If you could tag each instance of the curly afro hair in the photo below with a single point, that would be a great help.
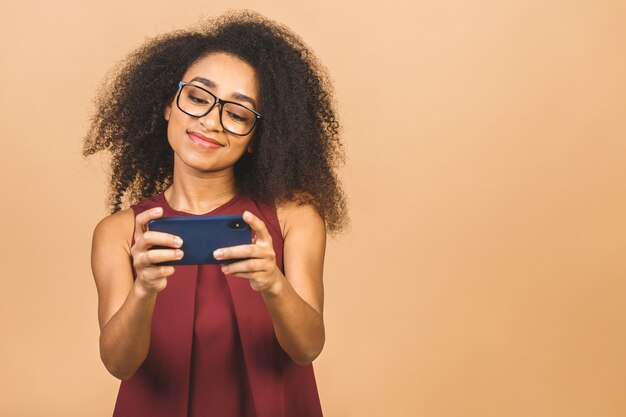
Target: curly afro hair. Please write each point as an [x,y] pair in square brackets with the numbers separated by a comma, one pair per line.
[297,149]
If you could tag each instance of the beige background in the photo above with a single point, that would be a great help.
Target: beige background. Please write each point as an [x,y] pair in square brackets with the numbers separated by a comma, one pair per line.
[485,271]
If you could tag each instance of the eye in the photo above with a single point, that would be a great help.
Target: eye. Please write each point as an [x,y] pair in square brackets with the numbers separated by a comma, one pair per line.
[237,117]
[197,100]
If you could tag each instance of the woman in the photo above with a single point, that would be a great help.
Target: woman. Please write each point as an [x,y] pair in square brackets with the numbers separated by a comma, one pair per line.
[233,117]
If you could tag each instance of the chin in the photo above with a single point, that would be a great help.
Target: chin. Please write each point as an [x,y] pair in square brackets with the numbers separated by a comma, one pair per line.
[201,163]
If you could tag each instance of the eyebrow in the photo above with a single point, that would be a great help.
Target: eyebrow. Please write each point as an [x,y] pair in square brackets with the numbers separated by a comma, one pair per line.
[235,95]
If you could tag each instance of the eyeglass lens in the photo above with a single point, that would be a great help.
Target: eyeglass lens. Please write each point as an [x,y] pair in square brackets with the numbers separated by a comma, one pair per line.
[235,118]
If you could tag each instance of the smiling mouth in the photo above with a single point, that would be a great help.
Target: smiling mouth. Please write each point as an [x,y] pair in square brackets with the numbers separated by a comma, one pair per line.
[203,141]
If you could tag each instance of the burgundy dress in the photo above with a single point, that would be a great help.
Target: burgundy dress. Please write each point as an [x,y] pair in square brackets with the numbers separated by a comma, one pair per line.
[213,351]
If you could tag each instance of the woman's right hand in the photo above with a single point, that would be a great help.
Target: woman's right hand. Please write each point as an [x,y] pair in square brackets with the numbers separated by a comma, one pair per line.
[152,278]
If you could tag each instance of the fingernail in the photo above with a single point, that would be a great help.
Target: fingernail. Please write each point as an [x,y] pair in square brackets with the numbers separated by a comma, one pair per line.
[157,210]
[178,241]
[179,253]
[218,254]
[247,215]
[225,269]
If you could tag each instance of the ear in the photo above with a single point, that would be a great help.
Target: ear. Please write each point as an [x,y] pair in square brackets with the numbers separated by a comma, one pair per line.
[251,146]
[167,112]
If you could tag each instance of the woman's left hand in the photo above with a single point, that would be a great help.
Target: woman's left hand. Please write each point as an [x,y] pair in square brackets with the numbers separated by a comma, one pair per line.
[259,260]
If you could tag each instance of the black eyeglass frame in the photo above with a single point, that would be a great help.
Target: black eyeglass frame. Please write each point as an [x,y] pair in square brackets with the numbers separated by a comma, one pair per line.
[182,84]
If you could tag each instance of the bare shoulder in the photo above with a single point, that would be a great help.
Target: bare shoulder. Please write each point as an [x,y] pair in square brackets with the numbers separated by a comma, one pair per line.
[110,262]
[115,229]
[304,234]
[296,216]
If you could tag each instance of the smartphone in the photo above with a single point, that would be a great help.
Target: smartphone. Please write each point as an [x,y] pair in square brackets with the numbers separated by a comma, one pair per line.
[202,235]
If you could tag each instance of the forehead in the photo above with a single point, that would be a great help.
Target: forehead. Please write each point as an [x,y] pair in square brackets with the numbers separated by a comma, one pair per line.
[229,73]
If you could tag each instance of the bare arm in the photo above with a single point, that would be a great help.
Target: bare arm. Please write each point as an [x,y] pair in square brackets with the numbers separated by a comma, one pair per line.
[125,306]
[295,299]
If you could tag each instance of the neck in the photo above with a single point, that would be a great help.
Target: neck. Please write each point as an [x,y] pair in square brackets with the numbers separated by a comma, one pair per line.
[197,193]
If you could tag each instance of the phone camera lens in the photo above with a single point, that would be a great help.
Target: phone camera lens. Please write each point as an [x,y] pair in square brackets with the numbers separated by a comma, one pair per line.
[236,224]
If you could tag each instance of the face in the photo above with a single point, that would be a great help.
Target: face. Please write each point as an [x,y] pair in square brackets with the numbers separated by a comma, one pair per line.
[203,144]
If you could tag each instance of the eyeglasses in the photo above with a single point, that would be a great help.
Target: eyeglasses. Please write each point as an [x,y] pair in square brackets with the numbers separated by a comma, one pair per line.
[198,102]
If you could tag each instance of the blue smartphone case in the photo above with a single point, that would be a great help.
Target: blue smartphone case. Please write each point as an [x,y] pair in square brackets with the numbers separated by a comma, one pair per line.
[202,235]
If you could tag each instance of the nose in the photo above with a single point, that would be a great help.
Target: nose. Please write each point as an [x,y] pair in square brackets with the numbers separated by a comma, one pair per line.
[211,120]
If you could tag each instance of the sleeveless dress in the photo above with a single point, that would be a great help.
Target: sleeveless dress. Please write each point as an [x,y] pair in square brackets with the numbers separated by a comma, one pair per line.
[213,351]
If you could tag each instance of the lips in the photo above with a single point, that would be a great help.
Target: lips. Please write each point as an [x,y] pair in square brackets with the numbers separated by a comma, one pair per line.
[204,141]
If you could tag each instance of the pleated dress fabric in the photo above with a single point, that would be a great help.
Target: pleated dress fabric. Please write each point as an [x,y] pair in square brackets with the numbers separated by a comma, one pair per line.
[213,351]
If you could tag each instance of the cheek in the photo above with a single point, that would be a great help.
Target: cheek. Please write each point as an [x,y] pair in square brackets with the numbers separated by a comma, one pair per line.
[175,130]
[244,145]
[170,135]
